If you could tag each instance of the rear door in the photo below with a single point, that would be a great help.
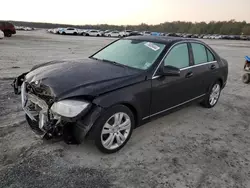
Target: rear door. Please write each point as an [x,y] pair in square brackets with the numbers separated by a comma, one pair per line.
[92,33]
[68,31]
[204,66]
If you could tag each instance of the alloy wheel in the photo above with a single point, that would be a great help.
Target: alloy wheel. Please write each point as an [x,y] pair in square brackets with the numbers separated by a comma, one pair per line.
[116,130]
[215,93]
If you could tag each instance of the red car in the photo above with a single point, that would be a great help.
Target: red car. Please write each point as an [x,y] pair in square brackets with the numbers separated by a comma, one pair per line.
[8,28]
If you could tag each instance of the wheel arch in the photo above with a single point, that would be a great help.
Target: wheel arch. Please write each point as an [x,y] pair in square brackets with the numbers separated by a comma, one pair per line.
[220,80]
[133,110]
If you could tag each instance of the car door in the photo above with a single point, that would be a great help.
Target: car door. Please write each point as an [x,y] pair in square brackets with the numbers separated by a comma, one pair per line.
[204,65]
[171,91]
[92,33]
[70,30]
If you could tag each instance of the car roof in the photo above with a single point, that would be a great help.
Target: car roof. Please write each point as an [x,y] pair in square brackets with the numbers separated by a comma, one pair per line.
[162,39]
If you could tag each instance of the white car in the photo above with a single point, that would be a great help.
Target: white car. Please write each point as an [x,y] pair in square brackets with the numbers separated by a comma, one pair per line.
[146,33]
[125,33]
[218,37]
[68,31]
[1,35]
[27,29]
[95,33]
[112,34]
[206,37]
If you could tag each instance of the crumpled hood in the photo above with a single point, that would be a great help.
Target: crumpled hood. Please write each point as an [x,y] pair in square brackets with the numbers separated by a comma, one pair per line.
[83,77]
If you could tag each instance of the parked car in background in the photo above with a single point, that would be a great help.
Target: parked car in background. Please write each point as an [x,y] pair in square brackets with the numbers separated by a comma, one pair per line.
[57,30]
[146,33]
[82,32]
[155,33]
[206,36]
[50,30]
[195,36]
[218,37]
[1,35]
[67,31]
[201,36]
[125,33]
[243,37]
[105,32]
[7,28]
[112,34]
[135,33]
[95,33]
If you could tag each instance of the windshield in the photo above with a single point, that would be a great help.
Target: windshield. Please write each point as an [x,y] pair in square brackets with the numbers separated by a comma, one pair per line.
[131,53]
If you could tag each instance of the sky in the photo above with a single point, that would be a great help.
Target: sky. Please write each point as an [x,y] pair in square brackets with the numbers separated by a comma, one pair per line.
[124,12]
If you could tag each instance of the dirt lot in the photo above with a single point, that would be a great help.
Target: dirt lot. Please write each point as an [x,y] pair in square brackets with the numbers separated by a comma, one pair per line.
[194,147]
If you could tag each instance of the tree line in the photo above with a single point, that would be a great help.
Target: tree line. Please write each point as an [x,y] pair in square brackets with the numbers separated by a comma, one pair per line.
[231,27]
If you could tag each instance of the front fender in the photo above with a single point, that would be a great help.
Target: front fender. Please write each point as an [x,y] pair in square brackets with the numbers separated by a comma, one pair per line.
[86,124]
[137,96]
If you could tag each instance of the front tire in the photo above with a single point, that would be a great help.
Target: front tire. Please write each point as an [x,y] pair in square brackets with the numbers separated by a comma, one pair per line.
[114,128]
[7,34]
[213,95]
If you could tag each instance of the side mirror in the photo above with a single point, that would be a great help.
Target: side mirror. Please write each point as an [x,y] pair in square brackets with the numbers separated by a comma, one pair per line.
[170,71]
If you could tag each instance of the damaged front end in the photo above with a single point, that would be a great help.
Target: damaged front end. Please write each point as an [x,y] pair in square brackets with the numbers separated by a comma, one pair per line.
[50,118]
[37,107]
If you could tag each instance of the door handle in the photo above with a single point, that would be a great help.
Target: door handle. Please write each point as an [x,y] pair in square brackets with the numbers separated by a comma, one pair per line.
[213,67]
[189,75]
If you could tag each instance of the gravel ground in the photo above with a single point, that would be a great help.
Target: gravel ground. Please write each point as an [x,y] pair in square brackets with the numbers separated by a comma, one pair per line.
[193,147]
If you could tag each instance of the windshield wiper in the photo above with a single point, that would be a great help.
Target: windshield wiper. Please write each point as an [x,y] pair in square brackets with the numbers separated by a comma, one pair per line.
[113,62]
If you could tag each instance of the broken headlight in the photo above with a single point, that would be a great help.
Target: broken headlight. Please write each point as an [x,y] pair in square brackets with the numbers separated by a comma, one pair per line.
[69,108]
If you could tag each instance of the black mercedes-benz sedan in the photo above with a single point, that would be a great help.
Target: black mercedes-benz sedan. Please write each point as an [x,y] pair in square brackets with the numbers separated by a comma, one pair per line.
[122,86]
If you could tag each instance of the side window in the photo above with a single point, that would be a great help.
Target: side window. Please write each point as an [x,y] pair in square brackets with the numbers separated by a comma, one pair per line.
[199,52]
[210,56]
[178,57]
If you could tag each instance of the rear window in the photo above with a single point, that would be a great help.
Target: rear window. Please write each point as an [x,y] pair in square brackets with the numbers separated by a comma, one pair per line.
[199,52]
[210,56]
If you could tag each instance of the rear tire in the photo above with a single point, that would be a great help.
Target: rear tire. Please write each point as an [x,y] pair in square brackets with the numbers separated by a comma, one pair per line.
[246,78]
[213,95]
[109,135]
